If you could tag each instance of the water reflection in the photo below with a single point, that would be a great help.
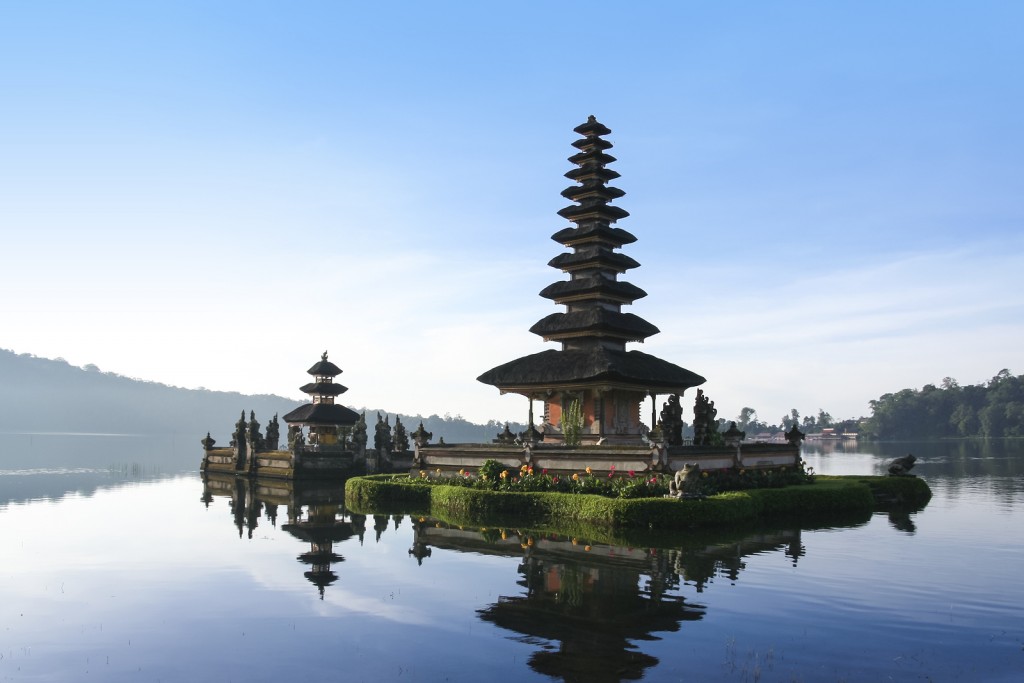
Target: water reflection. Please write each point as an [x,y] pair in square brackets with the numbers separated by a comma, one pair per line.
[959,468]
[37,467]
[584,604]
[315,515]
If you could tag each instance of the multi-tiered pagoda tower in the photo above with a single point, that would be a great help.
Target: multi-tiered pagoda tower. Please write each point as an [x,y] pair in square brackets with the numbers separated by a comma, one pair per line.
[322,416]
[592,369]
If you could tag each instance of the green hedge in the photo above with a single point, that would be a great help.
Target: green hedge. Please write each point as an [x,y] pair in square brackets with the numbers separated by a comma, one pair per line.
[386,493]
[905,492]
[827,497]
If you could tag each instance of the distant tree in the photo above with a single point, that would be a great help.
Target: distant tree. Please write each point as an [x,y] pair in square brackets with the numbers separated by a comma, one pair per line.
[745,417]
[994,409]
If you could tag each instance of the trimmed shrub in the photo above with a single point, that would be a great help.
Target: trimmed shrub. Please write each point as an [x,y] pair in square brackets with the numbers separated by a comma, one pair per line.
[386,493]
[827,498]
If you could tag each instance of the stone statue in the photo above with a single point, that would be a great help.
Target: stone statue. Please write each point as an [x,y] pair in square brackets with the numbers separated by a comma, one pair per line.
[273,437]
[733,436]
[531,435]
[672,421]
[382,435]
[686,482]
[400,439]
[238,437]
[295,437]
[255,438]
[900,467]
[359,434]
[421,437]
[794,436]
[506,436]
[705,422]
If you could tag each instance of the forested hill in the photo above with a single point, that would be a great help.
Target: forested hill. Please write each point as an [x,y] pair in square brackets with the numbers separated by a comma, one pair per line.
[44,395]
[992,409]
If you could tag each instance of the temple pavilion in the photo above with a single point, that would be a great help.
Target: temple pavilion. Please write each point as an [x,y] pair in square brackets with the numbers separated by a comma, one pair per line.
[322,417]
[592,369]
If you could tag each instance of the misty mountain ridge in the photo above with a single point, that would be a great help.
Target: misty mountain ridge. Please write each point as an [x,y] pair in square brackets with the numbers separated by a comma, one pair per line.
[51,395]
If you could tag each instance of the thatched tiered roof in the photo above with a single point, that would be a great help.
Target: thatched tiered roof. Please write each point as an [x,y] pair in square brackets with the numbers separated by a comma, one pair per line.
[323,411]
[593,330]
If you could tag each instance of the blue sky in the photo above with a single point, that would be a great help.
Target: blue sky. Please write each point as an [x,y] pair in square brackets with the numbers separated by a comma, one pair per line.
[827,196]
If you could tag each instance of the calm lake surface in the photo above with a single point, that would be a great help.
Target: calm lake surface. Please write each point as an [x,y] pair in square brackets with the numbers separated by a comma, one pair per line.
[121,564]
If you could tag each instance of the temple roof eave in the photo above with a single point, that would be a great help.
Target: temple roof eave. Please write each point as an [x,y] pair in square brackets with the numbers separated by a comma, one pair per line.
[324,368]
[595,231]
[323,388]
[599,322]
[322,414]
[601,258]
[562,370]
[592,287]
[605,212]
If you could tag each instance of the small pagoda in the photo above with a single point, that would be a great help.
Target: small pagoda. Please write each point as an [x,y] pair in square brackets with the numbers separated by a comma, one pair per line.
[323,418]
[318,446]
[592,374]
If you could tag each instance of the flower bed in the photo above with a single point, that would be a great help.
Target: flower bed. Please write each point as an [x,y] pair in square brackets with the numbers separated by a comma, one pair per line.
[494,476]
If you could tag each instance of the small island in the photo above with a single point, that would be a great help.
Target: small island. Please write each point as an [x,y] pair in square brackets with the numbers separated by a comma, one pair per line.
[591,459]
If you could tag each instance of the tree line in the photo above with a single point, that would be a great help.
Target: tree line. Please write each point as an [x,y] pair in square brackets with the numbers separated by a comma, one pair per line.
[992,409]
[749,422]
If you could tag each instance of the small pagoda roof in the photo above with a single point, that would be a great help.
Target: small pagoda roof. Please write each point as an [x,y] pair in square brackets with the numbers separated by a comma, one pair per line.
[594,232]
[593,288]
[593,257]
[584,172]
[322,414]
[592,156]
[320,532]
[323,389]
[598,210]
[605,192]
[599,365]
[592,127]
[594,322]
[591,143]
[324,368]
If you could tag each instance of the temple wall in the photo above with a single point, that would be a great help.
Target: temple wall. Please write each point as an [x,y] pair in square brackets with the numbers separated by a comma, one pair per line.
[554,409]
[558,459]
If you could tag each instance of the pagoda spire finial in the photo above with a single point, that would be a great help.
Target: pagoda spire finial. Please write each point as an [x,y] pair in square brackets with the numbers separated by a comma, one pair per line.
[323,356]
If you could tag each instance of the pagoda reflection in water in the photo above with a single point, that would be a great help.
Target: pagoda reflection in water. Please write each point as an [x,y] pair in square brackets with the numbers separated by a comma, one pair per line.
[587,605]
[315,514]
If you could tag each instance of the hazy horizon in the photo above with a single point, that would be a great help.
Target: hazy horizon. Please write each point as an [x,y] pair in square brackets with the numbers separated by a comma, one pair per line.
[826,196]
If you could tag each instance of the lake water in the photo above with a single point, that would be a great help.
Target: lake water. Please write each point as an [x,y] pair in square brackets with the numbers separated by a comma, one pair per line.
[121,564]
